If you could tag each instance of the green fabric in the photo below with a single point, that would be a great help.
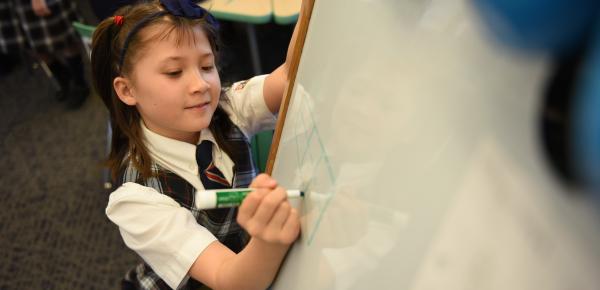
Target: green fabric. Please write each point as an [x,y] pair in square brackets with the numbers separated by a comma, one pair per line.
[261,144]
[83,29]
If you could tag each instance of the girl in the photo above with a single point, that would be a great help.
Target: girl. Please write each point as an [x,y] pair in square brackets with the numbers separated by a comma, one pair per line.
[176,133]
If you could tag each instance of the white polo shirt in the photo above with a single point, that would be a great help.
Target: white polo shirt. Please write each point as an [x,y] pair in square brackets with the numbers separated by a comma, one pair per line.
[154,225]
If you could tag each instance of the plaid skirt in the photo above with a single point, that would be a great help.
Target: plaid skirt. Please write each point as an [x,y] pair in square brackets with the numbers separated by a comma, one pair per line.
[20,28]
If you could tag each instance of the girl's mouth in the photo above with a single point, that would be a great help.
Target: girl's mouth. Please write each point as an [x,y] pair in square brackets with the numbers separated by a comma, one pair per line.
[200,106]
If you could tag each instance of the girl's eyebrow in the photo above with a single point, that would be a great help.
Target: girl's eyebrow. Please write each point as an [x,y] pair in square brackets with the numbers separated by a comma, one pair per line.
[206,54]
[177,57]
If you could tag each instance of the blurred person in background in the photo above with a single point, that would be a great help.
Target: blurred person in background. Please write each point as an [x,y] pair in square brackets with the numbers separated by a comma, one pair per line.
[44,27]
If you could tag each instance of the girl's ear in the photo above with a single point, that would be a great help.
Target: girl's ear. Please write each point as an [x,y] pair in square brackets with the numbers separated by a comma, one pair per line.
[124,91]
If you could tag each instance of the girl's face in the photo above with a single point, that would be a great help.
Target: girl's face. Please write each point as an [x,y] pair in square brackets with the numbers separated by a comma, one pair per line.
[176,87]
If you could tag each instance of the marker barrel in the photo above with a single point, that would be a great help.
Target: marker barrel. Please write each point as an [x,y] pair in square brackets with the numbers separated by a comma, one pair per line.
[221,198]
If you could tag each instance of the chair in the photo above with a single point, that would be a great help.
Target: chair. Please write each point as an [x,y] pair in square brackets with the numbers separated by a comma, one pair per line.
[85,33]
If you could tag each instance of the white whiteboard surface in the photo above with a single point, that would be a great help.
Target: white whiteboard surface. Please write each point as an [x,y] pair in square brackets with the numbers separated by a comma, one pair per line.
[416,138]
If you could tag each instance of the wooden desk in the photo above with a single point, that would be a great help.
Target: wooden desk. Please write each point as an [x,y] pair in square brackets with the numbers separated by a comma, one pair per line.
[253,12]
[250,11]
[286,11]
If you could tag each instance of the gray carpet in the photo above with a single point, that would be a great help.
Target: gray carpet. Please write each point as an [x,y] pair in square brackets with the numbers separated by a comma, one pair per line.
[53,230]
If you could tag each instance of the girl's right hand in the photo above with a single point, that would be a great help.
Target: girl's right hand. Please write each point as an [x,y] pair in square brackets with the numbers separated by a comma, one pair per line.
[40,8]
[266,213]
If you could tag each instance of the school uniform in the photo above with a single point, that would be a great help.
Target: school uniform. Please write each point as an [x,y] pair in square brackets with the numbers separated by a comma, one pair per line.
[158,218]
[21,28]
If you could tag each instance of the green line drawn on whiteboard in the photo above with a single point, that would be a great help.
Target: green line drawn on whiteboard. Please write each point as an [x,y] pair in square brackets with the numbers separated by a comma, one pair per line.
[313,156]
[297,145]
[323,160]
[307,146]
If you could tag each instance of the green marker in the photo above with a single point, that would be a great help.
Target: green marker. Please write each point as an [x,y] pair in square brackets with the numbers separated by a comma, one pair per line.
[220,198]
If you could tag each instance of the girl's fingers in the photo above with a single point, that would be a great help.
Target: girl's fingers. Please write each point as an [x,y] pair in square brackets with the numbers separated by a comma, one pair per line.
[268,205]
[250,204]
[291,228]
[262,185]
[266,214]
[263,181]
[280,216]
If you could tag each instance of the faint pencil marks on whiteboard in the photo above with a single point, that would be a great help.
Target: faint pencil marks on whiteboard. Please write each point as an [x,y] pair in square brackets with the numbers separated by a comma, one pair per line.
[314,172]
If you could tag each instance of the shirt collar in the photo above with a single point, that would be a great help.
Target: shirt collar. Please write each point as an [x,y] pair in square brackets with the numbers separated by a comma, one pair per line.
[174,154]
[206,134]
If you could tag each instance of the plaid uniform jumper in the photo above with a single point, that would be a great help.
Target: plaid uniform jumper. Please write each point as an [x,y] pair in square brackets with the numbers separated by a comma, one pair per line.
[21,28]
[220,222]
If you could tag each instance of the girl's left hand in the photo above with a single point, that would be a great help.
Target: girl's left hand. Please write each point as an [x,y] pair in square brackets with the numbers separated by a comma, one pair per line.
[266,214]
[40,8]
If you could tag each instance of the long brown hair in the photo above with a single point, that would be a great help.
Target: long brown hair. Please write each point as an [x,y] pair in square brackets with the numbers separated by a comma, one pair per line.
[127,144]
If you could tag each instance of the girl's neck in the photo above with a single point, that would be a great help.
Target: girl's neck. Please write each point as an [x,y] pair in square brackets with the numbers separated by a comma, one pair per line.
[191,138]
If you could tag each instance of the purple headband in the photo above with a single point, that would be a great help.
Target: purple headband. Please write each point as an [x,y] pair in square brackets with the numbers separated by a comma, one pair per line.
[180,8]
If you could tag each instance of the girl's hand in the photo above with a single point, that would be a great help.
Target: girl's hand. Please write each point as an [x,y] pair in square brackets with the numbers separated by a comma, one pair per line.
[266,213]
[40,8]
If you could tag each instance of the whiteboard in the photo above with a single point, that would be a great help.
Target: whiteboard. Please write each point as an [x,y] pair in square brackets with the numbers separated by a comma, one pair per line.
[416,138]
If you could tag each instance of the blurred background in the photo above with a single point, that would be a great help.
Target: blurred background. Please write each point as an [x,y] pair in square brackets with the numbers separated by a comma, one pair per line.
[53,230]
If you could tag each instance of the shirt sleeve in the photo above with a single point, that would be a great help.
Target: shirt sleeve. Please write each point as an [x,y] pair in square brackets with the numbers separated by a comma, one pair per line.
[247,108]
[162,232]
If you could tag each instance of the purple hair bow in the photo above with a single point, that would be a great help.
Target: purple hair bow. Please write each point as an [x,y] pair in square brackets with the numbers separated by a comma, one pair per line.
[188,9]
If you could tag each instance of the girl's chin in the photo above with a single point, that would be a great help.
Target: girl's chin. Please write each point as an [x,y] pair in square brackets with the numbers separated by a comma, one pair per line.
[203,120]
[201,125]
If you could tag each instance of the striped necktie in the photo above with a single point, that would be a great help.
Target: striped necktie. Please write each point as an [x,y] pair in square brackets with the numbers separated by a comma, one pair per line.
[210,175]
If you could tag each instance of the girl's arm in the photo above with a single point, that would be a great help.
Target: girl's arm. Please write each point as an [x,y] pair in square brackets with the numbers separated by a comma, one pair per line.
[273,225]
[277,81]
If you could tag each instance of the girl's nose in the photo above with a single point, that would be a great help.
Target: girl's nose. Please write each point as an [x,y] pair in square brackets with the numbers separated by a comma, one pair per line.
[199,84]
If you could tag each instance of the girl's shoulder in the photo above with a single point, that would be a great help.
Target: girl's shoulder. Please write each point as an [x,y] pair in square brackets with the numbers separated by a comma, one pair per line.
[241,94]
[245,105]
[247,85]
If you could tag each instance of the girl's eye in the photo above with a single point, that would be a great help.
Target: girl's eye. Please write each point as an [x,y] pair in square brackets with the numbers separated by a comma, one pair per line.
[173,73]
[208,68]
